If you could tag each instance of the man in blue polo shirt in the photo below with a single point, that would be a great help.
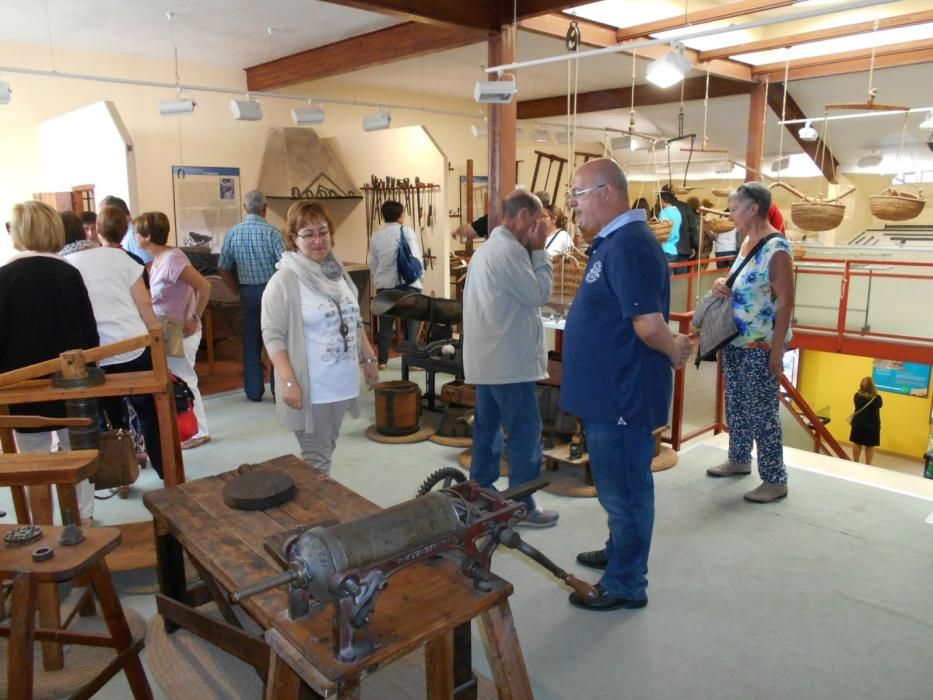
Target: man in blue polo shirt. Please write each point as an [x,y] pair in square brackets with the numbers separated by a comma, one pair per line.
[617,357]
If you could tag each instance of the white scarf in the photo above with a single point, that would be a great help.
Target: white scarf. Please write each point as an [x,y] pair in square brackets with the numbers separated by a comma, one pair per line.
[323,277]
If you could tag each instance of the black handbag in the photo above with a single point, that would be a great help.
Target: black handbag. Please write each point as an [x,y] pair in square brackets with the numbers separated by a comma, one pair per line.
[714,317]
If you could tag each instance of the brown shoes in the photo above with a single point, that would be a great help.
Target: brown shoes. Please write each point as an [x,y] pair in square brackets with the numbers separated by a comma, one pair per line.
[766,493]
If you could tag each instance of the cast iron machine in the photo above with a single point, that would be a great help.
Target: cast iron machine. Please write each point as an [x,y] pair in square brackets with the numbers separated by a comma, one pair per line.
[349,564]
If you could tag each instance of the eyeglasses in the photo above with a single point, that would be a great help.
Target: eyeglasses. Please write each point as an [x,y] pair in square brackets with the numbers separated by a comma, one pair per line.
[305,234]
[343,328]
[577,194]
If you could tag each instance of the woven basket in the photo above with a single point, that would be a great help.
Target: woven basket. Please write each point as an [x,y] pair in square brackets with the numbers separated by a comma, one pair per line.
[718,225]
[817,216]
[568,274]
[661,228]
[799,251]
[720,192]
[892,205]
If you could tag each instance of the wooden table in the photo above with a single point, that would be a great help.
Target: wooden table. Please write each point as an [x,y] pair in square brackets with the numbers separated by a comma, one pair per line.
[429,603]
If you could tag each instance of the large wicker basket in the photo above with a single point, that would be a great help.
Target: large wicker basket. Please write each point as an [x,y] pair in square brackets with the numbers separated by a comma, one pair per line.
[568,274]
[799,251]
[718,224]
[721,192]
[892,205]
[817,216]
[661,228]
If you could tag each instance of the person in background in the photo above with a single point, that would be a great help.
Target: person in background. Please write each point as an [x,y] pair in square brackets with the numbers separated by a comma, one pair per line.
[123,310]
[508,280]
[617,358]
[89,223]
[179,293]
[75,239]
[478,228]
[44,311]
[762,303]
[725,245]
[670,212]
[383,256]
[112,234]
[866,420]
[688,244]
[248,257]
[313,333]
[130,242]
[776,219]
[557,240]
[642,203]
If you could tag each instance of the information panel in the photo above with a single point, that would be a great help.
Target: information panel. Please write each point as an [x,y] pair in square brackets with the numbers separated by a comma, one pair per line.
[207,204]
[910,378]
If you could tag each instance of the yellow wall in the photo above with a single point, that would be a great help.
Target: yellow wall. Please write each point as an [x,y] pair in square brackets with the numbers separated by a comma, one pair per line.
[829,379]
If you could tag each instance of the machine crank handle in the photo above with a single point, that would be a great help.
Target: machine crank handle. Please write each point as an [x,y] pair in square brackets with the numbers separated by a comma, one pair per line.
[512,539]
[293,574]
[525,489]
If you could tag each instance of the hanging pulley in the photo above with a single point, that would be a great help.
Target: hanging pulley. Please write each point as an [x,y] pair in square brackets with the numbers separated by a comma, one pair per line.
[572,38]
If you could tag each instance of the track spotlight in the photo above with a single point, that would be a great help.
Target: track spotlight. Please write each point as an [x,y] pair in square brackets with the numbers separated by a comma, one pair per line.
[926,124]
[173,107]
[669,69]
[494,91]
[377,121]
[5,90]
[246,110]
[479,130]
[540,135]
[807,132]
[308,115]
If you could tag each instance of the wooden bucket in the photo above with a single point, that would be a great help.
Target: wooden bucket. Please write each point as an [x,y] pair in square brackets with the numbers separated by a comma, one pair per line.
[398,408]
[817,216]
[661,228]
[892,205]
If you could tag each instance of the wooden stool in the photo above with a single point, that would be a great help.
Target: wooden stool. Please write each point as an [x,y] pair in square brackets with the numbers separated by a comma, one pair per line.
[87,557]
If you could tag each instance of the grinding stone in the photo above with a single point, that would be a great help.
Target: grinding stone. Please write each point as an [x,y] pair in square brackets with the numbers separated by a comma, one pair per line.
[258,489]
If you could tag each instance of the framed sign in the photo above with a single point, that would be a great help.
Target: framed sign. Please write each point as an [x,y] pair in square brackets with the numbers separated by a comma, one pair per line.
[909,378]
[207,205]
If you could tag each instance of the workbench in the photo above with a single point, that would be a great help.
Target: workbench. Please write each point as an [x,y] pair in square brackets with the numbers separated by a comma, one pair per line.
[427,604]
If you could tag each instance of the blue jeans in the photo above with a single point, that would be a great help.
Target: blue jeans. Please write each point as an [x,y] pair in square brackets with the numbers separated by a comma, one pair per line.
[512,408]
[620,460]
[251,309]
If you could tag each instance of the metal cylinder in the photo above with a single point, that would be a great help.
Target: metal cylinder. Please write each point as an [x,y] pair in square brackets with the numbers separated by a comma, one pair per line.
[85,437]
[365,541]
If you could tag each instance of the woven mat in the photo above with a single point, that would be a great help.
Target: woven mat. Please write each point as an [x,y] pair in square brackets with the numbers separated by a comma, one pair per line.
[465,460]
[447,441]
[420,435]
[568,479]
[186,667]
[82,663]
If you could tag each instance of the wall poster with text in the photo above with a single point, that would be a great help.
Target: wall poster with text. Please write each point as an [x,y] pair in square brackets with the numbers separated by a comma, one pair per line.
[207,205]
[909,378]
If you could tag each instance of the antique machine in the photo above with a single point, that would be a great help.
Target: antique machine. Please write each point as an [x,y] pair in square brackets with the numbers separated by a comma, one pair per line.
[349,564]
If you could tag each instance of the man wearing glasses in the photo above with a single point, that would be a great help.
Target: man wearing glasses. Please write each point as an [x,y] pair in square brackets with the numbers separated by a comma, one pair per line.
[509,279]
[617,357]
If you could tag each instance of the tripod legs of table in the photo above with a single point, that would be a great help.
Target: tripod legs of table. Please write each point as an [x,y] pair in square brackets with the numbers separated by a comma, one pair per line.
[504,653]
[19,656]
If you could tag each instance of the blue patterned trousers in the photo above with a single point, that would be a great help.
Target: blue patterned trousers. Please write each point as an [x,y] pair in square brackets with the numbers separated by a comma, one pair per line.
[752,411]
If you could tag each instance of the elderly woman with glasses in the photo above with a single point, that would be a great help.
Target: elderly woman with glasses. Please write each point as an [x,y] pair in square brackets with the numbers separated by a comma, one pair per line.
[312,331]
[762,302]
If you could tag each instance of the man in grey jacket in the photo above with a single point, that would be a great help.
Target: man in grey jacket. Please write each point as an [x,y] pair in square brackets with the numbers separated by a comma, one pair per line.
[508,280]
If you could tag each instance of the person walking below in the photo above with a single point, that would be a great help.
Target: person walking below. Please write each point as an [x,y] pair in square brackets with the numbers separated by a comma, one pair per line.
[248,257]
[617,358]
[383,265]
[866,420]
[508,280]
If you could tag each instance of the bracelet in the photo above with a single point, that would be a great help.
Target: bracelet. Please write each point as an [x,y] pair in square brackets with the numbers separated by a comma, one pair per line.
[367,360]
[289,385]
[195,317]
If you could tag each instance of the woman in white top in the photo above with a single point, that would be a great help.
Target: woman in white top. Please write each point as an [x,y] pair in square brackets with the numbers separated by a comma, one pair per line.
[312,331]
[557,241]
[123,310]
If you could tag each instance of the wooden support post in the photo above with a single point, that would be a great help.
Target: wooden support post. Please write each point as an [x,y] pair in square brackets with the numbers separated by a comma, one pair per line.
[170,568]
[505,654]
[466,686]
[502,126]
[470,214]
[19,668]
[756,129]
[439,666]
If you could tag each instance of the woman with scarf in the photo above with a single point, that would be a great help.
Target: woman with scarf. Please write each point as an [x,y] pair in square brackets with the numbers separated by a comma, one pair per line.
[312,331]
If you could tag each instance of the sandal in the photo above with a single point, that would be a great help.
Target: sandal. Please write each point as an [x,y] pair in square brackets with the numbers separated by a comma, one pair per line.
[191,443]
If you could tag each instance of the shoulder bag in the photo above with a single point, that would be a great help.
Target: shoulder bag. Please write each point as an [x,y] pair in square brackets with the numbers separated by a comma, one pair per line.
[851,416]
[408,266]
[714,317]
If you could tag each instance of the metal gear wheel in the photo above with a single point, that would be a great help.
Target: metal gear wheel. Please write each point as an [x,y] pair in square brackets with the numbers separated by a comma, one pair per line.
[445,476]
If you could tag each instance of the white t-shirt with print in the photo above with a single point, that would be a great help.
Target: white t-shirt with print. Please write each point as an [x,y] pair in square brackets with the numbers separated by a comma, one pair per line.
[557,243]
[333,358]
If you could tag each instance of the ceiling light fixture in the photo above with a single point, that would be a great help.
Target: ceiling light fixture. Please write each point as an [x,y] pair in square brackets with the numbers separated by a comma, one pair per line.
[308,115]
[807,132]
[179,106]
[375,122]
[5,90]
[540,135]
[669,69]
[870,161]
[926,125]
[494,91]
[479,130]
[247,110]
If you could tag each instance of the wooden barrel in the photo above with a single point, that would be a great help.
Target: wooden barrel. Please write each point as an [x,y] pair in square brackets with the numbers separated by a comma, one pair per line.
[398,408]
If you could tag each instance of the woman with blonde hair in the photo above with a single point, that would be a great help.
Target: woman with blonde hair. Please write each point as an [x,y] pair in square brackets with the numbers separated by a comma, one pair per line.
[865,420]
[44,311]
[312,331]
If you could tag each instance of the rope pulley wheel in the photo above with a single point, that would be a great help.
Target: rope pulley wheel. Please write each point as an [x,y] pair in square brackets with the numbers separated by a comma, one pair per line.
[572,38]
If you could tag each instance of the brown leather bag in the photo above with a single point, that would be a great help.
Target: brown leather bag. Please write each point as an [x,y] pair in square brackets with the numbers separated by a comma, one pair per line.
[118,465]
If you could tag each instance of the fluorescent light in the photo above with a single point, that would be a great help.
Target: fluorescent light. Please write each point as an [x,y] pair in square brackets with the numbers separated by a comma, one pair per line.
[308,115]
[926,125]
[540,135]
[869,161]
[170,107]
[620,142]
[494,91]
[377,121]
[479,130]
[246,110]
[807,132]
[669,69]
[5,91]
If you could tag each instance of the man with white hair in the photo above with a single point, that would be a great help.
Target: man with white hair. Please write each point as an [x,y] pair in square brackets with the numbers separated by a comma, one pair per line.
[250,252]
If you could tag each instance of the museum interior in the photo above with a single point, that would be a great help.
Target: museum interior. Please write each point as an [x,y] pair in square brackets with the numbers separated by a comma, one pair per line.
[230,564]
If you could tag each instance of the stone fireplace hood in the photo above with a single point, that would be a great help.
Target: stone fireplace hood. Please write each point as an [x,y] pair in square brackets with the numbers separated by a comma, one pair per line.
[297,164]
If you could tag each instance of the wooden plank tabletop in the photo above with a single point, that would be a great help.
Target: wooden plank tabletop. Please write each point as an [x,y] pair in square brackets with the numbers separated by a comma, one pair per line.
[66,563]
[420,601]
[41,468]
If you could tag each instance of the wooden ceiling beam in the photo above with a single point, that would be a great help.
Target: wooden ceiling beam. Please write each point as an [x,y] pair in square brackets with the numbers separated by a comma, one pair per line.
[475,15]
[406,40]
[891,56]
[621,98]
[712,14]
[602,35]
[817,150]
[780,42]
